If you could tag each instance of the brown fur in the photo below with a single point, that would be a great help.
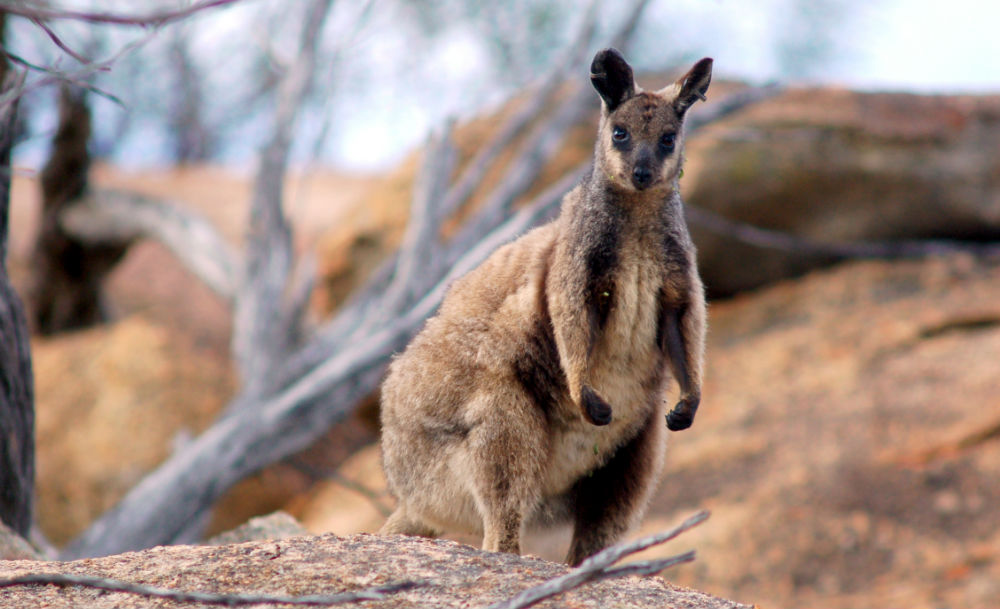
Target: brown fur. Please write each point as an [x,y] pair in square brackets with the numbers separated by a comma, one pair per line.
[535,395]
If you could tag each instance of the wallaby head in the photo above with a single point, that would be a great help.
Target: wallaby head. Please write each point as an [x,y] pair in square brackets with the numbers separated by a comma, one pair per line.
[640,135]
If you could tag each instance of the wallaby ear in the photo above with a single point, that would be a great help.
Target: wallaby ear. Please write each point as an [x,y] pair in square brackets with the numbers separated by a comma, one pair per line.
[612,77]
[693,85]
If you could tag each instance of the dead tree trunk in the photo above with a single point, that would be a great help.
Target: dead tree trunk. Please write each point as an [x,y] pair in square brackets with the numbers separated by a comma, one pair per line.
[17,410]
[67,274]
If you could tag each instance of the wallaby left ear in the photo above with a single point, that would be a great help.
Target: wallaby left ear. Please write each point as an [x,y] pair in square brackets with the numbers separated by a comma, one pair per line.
[612,77]
[693,85]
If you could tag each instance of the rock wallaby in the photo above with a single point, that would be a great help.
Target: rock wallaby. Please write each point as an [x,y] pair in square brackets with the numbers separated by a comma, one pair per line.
[535,396]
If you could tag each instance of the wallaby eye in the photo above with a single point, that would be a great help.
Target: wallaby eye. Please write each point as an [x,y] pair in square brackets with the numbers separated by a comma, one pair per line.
[667,142]
[619,134]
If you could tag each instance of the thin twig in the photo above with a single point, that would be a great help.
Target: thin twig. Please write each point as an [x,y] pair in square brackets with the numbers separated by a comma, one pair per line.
[35,11]
[597,567]
[57,76]
[78,76]
[58,41]
[207,598]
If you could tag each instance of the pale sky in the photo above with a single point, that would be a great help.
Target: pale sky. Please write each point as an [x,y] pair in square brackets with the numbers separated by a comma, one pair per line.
[929,46]
[881,45]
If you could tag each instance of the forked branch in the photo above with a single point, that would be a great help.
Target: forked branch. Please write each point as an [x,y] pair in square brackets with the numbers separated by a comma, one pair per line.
[599,566]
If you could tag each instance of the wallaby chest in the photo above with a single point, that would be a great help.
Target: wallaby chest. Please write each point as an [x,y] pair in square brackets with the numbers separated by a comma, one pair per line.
[633,262]
[627,271]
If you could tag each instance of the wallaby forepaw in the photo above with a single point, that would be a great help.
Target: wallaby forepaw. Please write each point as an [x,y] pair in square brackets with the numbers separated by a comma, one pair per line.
[595,409]
[682,416]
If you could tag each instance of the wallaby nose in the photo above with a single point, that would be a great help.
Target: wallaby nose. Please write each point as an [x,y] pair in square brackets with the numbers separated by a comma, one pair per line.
[641,177]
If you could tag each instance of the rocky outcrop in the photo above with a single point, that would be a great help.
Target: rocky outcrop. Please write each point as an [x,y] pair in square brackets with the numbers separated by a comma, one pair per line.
[278,525]
[835,166]
[15,547]
[449,574]
[112,402]
[848,441]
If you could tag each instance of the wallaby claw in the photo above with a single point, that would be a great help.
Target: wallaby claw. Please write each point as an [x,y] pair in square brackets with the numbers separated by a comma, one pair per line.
[682,416]
[596,410]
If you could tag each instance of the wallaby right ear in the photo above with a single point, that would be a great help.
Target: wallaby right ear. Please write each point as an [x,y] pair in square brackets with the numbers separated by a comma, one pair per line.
[612,77]
[693,85]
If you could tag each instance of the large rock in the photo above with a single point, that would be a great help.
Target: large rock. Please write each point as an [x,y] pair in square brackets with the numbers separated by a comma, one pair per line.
[453,576]
[846,444]
[112,402]
[840,166]
[15,547]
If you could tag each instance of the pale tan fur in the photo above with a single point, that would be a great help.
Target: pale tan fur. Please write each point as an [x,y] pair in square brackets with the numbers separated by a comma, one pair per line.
[536,395]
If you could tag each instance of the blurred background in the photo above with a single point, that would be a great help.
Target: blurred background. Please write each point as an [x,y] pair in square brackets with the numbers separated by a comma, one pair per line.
[391,70]
[843,187]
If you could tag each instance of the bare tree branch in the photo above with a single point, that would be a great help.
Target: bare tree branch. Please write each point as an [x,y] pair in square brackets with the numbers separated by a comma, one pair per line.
[207,598]
[58,41]
[424,225]
[541,145]
[189,482]
[598,566]
[102,216]
[362,313]
[36,11]
[538,96]
[55,76]
[39,14]
[262,324]
[77,77]
[774,239]
[348,324]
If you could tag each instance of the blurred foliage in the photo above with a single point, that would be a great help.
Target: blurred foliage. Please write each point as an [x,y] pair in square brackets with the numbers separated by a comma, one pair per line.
[519,33]
[202,89]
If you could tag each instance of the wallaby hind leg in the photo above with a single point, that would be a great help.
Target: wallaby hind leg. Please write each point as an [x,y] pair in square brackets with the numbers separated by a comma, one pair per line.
[401,523]
[612,499]
[506,454]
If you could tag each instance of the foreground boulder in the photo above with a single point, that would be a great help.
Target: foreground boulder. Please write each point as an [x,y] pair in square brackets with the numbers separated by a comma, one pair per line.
[15,547]
[450,574]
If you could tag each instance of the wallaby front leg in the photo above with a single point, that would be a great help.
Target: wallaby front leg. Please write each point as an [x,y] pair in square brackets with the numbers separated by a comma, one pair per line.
[683,337]
[580,306]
